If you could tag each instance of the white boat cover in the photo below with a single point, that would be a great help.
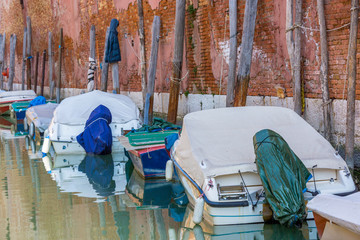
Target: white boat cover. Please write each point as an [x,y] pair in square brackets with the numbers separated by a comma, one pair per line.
[41,115]
[220,141]
[76,110]
[24,93]
[343,211]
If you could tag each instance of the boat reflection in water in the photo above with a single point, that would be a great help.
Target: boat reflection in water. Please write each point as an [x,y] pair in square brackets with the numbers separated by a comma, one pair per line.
[91,176]
[101,177]
[157,196]
[257,231]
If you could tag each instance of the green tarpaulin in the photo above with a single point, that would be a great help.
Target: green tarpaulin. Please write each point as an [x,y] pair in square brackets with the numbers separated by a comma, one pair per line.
[283,175]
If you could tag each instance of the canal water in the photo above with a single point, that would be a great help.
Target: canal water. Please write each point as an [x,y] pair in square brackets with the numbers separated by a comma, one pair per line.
[85,197]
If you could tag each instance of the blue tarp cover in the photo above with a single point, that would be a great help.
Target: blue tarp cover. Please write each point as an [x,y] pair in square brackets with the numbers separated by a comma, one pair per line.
[39,100]
[97,136]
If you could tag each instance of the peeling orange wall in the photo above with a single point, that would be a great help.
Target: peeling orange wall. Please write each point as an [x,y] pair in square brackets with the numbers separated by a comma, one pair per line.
[206,42]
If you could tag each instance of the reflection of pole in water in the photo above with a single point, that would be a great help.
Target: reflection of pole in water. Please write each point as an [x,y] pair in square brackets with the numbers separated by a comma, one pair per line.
[113,203]
[151,224]
[19,161]
[7,152]
[121,218]
[160,224]
[35,178]
[101,207]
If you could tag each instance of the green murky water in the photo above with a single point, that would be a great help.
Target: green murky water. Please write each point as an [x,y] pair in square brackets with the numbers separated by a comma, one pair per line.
[76,197]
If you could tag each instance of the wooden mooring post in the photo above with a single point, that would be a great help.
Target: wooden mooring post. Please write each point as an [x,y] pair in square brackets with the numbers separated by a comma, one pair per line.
[243,75]
[142,50]
[58,77]
[36,71]
[92,59]
[51,66]
[297,59]
[177,61]
[23,70]
[12,62]
[28,53]
[43,74]
[2,59]
[105,65]
[149,103]
[324,66]
[233,53]
[115,76]
[351,94]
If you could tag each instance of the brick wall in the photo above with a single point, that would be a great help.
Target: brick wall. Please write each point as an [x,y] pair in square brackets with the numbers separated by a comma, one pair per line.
[206,42]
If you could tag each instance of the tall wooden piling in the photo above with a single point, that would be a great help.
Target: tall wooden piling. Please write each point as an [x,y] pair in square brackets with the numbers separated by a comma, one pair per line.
[324,66]
[177,61]
[36,71]
[2,59]
[115,76]
[91,84]
[28,52]
[233,53]
[149,103]
[23,61]
[43,74]
[351,72]
[105,65]
[297,59]
[58,77]
[12,62]
[243,75]
[142,50]
[51,66]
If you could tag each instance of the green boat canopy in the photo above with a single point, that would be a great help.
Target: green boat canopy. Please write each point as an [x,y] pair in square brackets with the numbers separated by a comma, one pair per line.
[283,175]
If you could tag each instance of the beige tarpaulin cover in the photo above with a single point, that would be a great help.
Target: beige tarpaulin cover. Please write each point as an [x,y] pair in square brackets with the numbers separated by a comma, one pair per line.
[344,211]
[220,141]
[77,109]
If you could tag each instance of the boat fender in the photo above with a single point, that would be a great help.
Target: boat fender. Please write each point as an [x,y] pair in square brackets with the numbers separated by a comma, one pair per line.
[198,232]
[32,130]
[27,142]
[47,163]
[26,126]
[33,145]
[198,210]
[172,234]
[46,145]
[169,170]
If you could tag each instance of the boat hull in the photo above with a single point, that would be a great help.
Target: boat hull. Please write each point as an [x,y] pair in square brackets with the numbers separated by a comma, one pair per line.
[224,214]
[150,162]
[62,147]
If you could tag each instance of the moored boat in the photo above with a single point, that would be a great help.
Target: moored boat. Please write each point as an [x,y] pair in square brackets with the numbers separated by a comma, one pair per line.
[215,160]
[73,112]
[337,217]
[18,109]
[7,98]
[38,119]
[146,148]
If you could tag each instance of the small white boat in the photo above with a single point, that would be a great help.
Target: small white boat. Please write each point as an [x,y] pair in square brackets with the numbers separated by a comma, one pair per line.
[73,112]
[337,217]
[216,145]
[90,176]
[38,118]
